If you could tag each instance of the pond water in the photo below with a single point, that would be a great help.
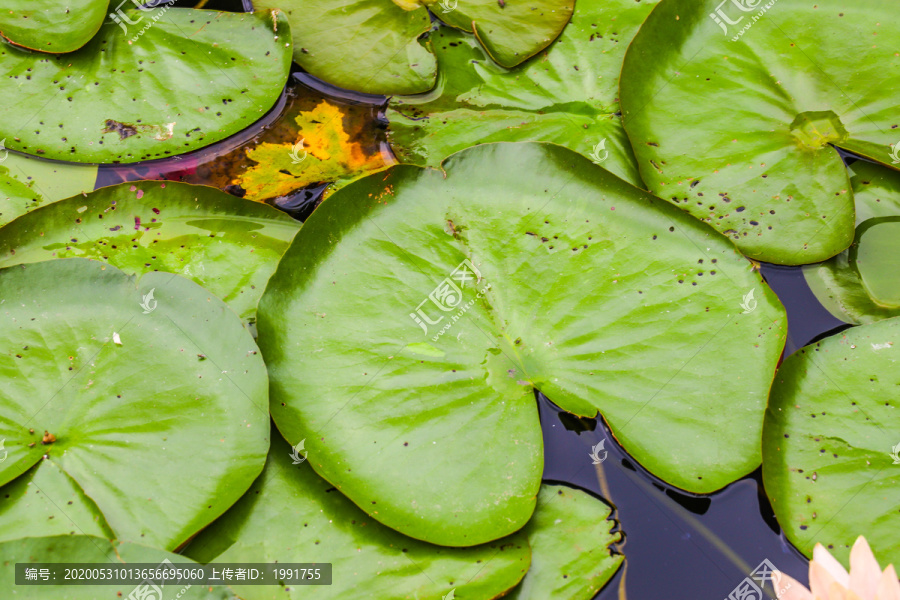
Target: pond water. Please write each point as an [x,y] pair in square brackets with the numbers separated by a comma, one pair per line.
[678,545]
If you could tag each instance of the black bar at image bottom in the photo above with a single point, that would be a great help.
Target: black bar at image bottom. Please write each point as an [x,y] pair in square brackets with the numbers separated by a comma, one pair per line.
[167,573]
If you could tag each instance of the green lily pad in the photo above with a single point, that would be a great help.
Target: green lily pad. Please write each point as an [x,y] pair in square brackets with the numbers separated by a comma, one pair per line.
[141,403]
[600,296]
[27,183]
[229,246]
[511,32]
[568,95]
[830,442]
[860,285]
[569,535]
[89,549]
[739,124]
[383,37]
[52,25]
[290,514]
[193,78]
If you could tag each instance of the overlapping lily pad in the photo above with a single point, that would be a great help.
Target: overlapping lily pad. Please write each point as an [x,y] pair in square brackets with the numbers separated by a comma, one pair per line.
[569,536]
[27,183]
[227,245]
[136,408]
[292,515]
[52,25]
[568,95]
[379,321]
[860,285]
[94,550]
[381,36]
[192,78]
[739,124]
[831,444]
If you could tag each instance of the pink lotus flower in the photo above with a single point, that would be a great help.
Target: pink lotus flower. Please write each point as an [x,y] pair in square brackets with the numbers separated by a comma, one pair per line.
[830,581]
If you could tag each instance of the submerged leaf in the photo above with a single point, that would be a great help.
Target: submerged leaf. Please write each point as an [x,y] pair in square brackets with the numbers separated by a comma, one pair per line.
[325,152]
[860,285]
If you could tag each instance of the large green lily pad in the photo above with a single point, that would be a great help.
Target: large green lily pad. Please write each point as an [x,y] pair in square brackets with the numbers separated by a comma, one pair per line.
[381,36]
[292,515]
[569,534]
[193,78]
[600,296]
[831,429]
[27,182]
[739,124]
[227,245]
[52,25]
[88,549]
[568,95]
[860,285]
[136,408]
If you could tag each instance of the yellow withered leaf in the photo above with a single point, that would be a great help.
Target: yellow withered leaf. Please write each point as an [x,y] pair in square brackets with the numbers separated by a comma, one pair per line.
[323,152]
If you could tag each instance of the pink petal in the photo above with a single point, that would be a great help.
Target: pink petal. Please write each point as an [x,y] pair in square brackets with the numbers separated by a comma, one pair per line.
[831,565]
[864,570]
[889,586]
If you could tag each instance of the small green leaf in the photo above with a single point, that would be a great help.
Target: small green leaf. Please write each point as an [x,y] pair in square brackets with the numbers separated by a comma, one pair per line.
[569,534]
[380,36]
